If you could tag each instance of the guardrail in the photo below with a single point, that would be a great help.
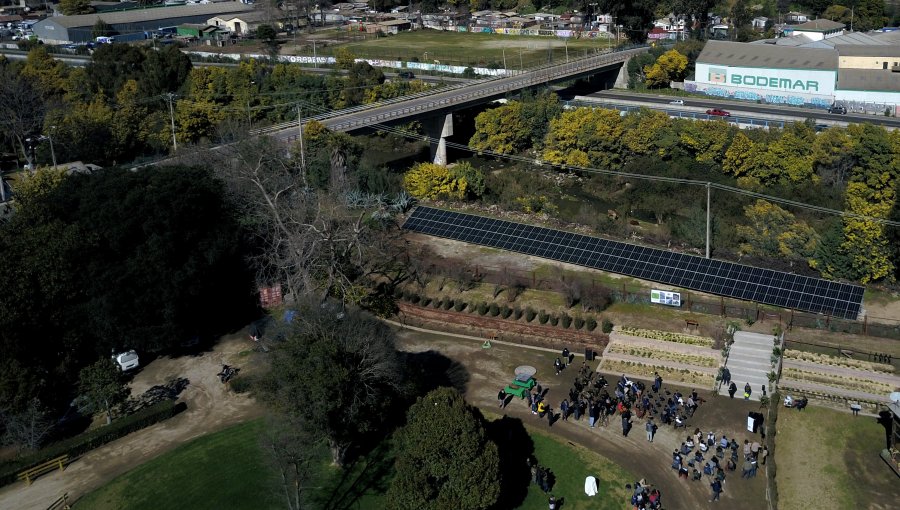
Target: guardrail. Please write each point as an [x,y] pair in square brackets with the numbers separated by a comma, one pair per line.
[474,91]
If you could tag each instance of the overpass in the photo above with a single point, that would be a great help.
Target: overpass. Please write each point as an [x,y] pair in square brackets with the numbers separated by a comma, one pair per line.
[435,107]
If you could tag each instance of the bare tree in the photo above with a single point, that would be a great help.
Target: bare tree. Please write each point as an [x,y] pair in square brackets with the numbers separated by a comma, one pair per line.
[28,428]
[309,240]
[22,110]
[289,448]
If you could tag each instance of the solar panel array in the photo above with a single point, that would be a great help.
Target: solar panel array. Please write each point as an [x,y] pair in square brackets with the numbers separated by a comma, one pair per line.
[727,279]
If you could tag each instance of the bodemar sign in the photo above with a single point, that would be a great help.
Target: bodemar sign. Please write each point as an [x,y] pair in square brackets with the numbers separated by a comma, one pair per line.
[774,82]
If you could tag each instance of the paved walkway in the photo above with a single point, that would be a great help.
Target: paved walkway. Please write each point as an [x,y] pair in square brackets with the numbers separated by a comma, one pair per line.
[749,361]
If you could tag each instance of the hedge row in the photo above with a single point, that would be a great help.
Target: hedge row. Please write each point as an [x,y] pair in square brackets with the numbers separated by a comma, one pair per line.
[505,312]
[83,443]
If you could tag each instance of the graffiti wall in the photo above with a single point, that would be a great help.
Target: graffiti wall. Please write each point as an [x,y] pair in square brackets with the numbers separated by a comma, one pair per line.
[762,96]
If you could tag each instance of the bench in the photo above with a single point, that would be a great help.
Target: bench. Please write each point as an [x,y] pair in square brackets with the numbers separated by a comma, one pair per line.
[691,323]
[29,475]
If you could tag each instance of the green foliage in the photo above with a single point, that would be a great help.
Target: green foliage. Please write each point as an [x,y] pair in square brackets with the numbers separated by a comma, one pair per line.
[566,320]
[266,33]
[482,308]
[591,324]
[774,232]
[100,387]
[102,29]
[530,314]
[444,457]
[494,310]
[543,317]
[431,181]
[586,137]
[459,306]
[607,326]
[670,66]
[74,7]
[95,438]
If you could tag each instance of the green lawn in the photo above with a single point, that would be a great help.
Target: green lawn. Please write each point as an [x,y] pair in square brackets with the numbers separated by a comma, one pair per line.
[831,457]
[228,469]
[571,465]
[454,48]
[222,470]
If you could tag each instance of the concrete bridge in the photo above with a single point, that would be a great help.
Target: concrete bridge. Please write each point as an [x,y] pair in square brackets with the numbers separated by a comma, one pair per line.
[435,107]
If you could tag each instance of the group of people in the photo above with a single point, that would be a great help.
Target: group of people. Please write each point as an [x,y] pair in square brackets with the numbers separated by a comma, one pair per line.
[645,497]
[732,387]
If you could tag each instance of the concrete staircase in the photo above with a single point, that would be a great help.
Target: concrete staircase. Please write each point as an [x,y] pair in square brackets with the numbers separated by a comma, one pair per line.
[749,361]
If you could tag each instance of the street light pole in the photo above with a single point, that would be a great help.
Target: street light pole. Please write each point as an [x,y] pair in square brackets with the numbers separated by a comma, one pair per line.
[52,152]
[171,97]
[707,220]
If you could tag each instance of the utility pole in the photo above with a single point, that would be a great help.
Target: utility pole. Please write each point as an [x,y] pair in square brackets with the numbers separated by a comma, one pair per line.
[707,220]
[171,97]
[52,152]
[504,60]
[302,151]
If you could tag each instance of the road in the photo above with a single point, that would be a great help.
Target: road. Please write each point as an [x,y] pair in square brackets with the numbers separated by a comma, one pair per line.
[747,108]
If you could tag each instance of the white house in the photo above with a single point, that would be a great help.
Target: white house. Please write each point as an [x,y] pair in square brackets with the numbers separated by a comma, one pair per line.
[816,30]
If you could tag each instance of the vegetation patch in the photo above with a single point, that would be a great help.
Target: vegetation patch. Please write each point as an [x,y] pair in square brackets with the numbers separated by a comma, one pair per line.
[839,381]
[667,336]
[836,361]
[646,370]
[661,355]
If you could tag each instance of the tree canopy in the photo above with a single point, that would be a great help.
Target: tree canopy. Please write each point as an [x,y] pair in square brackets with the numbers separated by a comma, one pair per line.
[444,457]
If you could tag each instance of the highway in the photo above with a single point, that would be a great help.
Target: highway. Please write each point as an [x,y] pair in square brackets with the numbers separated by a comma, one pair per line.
[745,108]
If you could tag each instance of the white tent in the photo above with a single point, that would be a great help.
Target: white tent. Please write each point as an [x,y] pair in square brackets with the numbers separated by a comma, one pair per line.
[590,486]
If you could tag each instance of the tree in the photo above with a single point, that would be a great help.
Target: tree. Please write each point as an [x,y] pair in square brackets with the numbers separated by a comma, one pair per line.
[29,428]
[865,245]
[100,388]
[832,156]
[647,133]
[501,130]
[586,137]
[706,140]
[740,155]
[289,448]
[334,376]
[73,7]
[635,15]
[431,181]
[670,66]
[101,29]
[22,109]
[266,33]
[773,232]
[48,73]
[444,457]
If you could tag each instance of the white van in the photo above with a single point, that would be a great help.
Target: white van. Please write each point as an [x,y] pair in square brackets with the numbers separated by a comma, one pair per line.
[127,360]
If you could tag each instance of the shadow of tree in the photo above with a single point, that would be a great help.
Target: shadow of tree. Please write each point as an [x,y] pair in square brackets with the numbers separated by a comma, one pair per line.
[515,448]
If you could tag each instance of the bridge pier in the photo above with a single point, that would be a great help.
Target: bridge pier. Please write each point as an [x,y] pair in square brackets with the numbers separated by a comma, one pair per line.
[438,129]
[622,77]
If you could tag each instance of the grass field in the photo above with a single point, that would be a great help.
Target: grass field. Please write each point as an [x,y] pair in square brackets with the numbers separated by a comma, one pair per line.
[829,460]
[222,470]
[571,465]
[469,49]
[228,469]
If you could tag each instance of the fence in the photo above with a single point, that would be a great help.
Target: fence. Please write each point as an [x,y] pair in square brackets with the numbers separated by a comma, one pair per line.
[694,302]
[847,350]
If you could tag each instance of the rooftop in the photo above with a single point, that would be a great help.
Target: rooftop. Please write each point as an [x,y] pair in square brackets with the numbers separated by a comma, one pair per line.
[767,56]
[868,79]
[142,15]
[819,25]
[855,50]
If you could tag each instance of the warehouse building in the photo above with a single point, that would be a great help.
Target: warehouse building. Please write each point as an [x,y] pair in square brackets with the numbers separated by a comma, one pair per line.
[864,78]
[133,24]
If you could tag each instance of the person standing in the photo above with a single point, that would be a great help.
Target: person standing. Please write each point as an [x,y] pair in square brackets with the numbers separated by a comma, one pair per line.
[651,430]
[565,356]
[657,382]
[747,391]
[501,398]
[564,409]
[716,490]
[558,365]
[732,389]
[592,414]
[726,376]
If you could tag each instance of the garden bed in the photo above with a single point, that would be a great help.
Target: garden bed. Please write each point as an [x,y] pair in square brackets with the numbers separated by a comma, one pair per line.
[647,370]
[824,359]
[667,336]
[661,355]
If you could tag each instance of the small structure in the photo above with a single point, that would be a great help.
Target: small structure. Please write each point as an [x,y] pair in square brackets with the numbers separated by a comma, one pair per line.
[816,30]
[394,26]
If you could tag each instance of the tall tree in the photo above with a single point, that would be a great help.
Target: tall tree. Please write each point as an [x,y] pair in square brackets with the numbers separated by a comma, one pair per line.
[22,109]
[73,7]
[444,457]
[100,388]
[334,376]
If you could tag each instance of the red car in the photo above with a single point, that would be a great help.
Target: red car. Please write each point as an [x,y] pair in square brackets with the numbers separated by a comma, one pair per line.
[717,112]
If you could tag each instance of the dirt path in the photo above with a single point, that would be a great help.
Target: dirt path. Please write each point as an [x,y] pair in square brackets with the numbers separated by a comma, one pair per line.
[210,407]
[489,369]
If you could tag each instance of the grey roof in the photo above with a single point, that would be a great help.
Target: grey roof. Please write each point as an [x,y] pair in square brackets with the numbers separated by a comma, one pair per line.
[143,15]
[819,25]
[868,79]
[854,38]
[882,50]
[249,17]
[767,56]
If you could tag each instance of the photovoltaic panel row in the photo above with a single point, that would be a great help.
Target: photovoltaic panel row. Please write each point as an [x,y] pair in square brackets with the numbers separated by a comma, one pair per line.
[677,269]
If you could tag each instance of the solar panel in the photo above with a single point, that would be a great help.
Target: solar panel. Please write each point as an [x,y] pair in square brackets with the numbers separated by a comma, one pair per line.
[685,271]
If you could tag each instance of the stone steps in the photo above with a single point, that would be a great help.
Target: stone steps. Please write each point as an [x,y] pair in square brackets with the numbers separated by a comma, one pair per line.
[749,361]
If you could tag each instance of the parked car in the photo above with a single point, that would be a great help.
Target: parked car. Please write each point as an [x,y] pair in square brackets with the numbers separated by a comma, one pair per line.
[126,360]
[679,102]
[836,108]
[717,112]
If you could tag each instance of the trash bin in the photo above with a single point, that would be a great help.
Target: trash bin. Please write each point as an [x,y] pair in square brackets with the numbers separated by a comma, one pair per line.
[589,354]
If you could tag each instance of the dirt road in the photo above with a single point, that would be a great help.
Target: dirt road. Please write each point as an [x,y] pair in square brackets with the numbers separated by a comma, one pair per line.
[211,406]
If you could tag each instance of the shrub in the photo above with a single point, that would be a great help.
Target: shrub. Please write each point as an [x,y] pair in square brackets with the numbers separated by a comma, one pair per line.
[448,303]
[494,309]
[92,439]
[241,384]
[426,301]
[579,323]
[566,320]
[482,308]
[591,324]
[607,326]
[459,306]
[505,312]
[530,314]
[543,317]
[438,303]
[414,298]
[517,313]
[554,320]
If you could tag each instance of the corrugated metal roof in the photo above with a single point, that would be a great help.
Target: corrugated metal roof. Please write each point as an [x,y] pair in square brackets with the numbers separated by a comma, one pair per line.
[882,50]
[818,25]
[767,56]
[868,79]
[143,15]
